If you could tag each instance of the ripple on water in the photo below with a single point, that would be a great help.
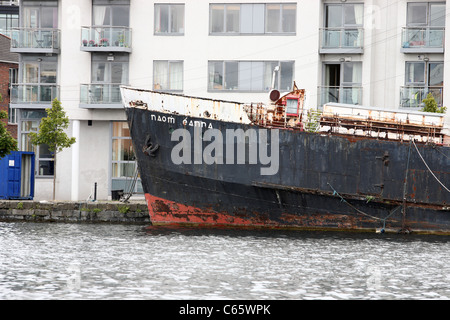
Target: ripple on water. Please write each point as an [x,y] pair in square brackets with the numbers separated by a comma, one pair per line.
[83,261]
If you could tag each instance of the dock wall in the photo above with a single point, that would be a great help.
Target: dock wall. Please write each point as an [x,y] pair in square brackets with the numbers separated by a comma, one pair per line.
[93,212]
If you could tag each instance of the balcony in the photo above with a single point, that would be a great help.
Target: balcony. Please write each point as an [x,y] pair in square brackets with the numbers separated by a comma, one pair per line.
[412,97]
[106,39]
[341,40]
[100,96]
[31,40]
[347,95]
[33,95]
[423,40]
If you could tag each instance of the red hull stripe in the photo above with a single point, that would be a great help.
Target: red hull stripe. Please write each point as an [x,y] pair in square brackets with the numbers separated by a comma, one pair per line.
[165,211]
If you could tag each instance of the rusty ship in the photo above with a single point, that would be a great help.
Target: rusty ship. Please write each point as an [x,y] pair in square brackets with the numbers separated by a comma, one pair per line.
[206,162]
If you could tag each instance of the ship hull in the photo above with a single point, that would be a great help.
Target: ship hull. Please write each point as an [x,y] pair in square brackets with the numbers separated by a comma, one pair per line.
[328,182]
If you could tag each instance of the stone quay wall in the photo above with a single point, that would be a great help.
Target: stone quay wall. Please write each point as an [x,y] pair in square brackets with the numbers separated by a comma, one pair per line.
[93,212]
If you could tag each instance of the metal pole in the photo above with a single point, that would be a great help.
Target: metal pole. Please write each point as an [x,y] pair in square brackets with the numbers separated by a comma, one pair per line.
[95,191]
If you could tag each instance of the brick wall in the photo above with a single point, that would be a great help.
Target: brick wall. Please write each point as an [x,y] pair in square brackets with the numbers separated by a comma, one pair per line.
[4,86]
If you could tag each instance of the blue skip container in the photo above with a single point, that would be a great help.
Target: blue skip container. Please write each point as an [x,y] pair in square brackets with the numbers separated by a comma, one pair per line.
[17,176]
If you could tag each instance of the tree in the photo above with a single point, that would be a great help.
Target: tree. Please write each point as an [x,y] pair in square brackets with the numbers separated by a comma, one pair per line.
[431,105]
[7,142]
[51,132]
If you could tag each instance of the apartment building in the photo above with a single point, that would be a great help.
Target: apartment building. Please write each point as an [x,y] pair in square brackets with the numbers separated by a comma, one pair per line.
[386,54]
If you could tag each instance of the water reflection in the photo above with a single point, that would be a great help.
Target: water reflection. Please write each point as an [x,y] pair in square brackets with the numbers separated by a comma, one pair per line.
[88,261]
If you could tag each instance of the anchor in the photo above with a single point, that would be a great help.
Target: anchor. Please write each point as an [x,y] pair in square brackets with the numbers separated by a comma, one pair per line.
[150,148]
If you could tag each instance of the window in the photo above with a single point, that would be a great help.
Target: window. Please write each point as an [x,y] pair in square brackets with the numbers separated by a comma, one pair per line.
[44,158]
[426,14]
[425,28]
[343,25]
[40,14]
[280,18]
[123,160]
[12,113]
[108,13]
[421,78]
[108,72]
[169,19]
[255,18]
[110,69]
[249,76]
[168,75]
[7,22]
[342,83]
[38,76]
[422,73]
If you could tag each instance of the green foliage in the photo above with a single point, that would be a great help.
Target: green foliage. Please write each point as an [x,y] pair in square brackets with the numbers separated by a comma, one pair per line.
[313,120]
[7,142]
[431,105]
[51,130]
[123,209]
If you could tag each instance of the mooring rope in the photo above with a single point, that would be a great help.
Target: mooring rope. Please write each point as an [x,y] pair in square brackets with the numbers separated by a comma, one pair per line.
[432,173]
[353,207]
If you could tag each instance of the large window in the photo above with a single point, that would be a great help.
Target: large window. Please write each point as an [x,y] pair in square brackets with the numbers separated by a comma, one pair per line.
[426,14]
[110,13]
[13,78]
[7,22]
[422,78]
[123,160]
[38,79]
[342,83]
[110,69]
[425,27]
[40,14]
[30,120]
[255,18]
[169,19]
[108,73]
[250,76]
[343,25]
[168,75]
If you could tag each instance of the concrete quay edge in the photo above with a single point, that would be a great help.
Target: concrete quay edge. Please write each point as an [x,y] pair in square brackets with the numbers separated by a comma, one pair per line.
[135,212]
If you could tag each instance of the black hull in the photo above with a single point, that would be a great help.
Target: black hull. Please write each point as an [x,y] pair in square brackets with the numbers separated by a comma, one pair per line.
[322,182]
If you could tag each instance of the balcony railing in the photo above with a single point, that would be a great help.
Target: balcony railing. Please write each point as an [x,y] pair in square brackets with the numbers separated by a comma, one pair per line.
[412,97]
[100,96]
[341,40]
[346,95]
[9,3]
[106,39]
[34,93]
[423,39]
[32,40]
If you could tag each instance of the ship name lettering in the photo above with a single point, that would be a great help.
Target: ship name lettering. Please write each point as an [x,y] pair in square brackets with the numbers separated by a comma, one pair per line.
[162,119]
[197,123]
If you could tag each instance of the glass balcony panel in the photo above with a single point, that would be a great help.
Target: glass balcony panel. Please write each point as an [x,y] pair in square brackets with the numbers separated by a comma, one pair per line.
[412,97]
[340,40]
[45,40]
[34,93]
[101,38]
[346,95]
[331,39]
[423,38]
[100,94]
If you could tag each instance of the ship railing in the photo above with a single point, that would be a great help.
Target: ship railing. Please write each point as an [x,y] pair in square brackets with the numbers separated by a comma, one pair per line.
[383,124]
